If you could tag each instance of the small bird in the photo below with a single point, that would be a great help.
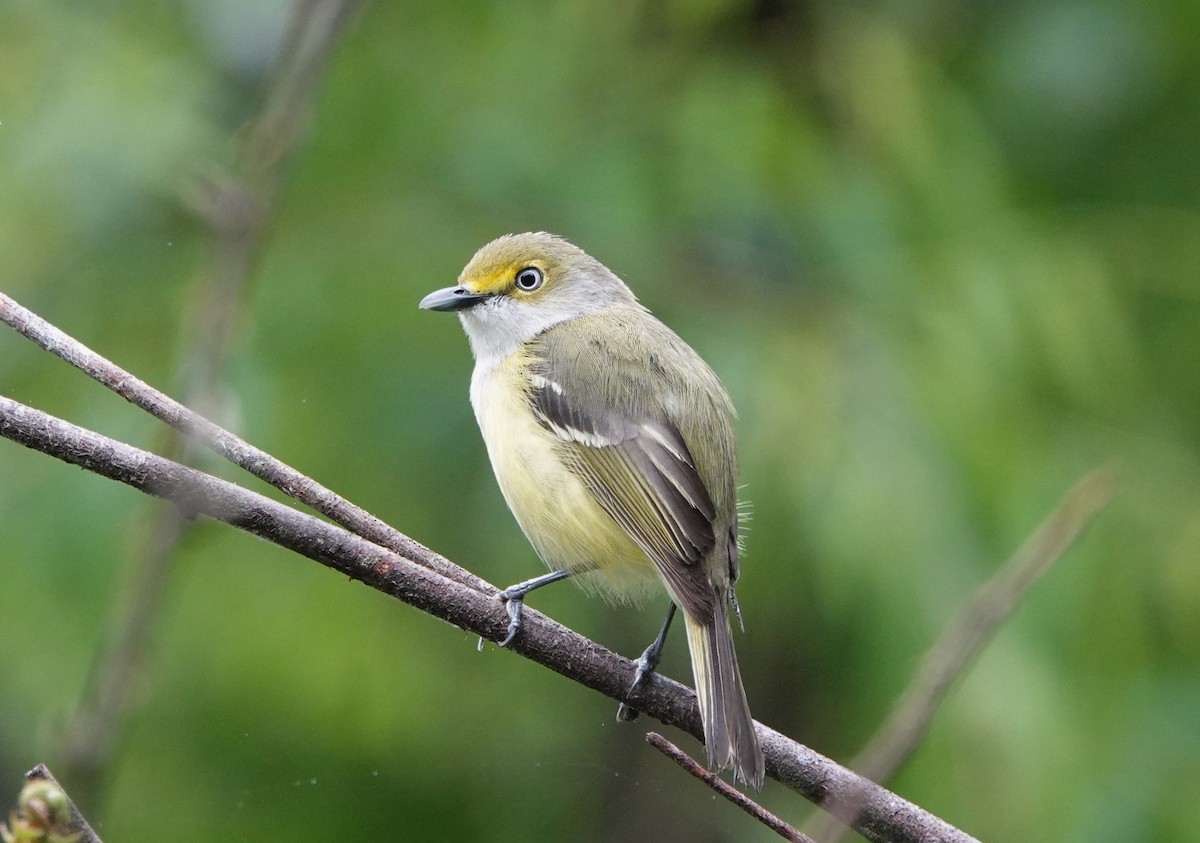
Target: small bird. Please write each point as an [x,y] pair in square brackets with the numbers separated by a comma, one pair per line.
[613,444]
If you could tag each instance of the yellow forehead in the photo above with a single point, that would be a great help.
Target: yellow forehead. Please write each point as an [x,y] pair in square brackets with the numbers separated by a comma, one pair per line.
[494,279]
[495,265]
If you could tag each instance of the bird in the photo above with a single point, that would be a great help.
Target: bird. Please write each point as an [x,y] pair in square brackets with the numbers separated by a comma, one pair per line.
[613,445]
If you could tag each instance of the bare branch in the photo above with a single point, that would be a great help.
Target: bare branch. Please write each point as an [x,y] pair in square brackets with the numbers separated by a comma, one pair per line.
[725,789]
[238,209]
[879,816]
[259,463]
[90,735]
[977,621]
[972,626]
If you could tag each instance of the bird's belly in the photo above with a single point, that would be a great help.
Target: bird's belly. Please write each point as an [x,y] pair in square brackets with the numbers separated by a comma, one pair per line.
[559,516]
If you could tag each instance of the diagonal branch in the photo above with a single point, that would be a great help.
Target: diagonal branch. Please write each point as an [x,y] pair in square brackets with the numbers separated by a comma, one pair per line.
[239,209]
[258,462]
[977,621]
[877,814]
[716,783]
[972,626]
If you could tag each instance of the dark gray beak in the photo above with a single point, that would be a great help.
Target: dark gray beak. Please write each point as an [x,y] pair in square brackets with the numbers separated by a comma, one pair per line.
[451,298]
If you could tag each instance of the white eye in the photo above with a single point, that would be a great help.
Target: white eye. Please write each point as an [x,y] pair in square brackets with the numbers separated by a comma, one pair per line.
[529,279]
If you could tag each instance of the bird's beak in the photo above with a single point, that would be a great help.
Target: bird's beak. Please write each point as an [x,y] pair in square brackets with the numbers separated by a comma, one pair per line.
[452,298]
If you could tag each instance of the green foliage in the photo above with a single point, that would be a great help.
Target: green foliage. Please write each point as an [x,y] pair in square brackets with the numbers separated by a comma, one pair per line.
[944,256]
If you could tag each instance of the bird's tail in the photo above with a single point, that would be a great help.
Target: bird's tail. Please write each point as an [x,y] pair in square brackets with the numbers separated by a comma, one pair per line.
[729,734]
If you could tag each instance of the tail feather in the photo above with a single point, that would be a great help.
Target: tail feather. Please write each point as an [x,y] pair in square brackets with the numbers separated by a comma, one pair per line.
[729,734]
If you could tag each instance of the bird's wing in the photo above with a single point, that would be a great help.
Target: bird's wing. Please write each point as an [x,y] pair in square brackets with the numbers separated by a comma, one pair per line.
[639,469]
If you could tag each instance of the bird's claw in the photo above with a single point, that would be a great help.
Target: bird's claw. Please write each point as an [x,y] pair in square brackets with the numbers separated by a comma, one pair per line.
[645,666]
[516,606]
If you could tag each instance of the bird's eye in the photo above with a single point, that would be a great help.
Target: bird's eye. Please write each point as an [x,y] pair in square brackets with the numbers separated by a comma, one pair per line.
[529,279]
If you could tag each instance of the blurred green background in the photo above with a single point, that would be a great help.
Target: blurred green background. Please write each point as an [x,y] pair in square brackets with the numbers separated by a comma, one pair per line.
[944,255]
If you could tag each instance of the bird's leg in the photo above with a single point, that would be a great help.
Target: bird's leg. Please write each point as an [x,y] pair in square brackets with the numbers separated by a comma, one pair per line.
[514,601]
[646,664]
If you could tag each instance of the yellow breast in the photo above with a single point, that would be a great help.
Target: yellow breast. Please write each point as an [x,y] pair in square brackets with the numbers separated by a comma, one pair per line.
[559,516]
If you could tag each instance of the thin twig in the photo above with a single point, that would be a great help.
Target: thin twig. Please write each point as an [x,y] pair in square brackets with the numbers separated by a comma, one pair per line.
[258,462]
[972,626]
[725,789]
[46,812]
[977,621]
[89,737]
[226,444]
[238,209]
[883,815]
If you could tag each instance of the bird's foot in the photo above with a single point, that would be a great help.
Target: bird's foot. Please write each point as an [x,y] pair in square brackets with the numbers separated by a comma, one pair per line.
[514,602]
[646,663]
[513,599]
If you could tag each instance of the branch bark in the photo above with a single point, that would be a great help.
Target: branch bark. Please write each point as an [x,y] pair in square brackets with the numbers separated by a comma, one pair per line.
[873,811]
[720,786]
[235,449]
[239,209]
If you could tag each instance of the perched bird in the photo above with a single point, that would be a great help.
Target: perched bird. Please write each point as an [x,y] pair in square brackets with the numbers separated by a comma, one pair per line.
[613,444]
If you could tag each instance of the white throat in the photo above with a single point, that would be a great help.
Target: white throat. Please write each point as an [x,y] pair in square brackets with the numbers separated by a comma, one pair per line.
[499,326]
